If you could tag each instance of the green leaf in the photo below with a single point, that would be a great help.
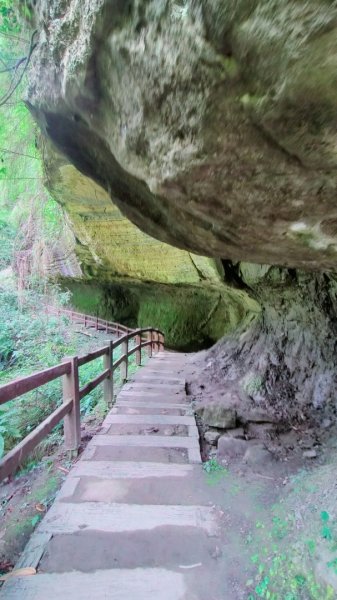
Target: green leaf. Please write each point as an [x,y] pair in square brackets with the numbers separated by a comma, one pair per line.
[2,446]
[311,546]
[35,520]
[325,516]
[326,533]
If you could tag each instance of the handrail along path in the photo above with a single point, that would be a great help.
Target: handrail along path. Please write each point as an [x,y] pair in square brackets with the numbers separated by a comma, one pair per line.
[150,338]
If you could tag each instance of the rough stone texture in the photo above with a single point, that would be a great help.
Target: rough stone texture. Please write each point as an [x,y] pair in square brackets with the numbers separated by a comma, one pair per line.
[230,448]
[211,437]
[130,277]
[109,245]
[212,127]
[216,415]
[260,430]
[257,455]
[237,433]
[283,367]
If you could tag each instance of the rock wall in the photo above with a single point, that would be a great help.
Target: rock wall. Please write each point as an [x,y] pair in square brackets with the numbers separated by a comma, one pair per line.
[128,276]
[211,125]
[285,364]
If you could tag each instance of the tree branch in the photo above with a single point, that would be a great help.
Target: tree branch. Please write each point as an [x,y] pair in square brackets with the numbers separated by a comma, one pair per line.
[12,89]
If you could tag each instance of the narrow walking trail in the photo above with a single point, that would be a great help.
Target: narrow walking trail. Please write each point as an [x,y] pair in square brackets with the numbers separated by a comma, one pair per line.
[134,518]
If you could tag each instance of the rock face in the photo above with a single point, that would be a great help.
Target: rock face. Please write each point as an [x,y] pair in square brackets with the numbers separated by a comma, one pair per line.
[282,368]
[216,415]
[212,126]
[129,276]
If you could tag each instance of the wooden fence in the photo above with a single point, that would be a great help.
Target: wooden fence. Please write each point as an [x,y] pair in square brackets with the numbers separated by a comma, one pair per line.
[89,321]
[149,338]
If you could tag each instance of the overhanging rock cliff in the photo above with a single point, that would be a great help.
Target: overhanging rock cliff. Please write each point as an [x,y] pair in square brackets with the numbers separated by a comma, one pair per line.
[129,276]
[211,125]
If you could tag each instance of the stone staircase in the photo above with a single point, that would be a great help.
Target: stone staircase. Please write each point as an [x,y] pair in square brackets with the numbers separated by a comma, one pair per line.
[134,518]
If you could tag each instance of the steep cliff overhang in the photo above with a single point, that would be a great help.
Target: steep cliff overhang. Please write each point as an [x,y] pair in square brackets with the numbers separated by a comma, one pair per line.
[130,277]
[211,125]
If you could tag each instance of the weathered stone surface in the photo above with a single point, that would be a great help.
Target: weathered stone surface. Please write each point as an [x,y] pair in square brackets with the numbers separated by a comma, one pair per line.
[260,430]
[287,356]
[257,455]
[216,415]
[309,454]
[256,415]
[129,276]
[211,437]
[230,448]
[211,126]
[237,433]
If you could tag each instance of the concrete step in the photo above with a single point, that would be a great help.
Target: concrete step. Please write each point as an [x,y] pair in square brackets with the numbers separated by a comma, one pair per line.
[131,453]
[153,410]
[116,584]
[150,419]
[148,429]
[71,517]
[173,441]
[169,547]
[129,470]
[138,491]
[151,403]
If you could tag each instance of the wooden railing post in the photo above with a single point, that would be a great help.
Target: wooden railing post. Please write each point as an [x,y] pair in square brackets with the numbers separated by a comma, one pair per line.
[155,342]
[108,382]
[139,351]
[149,347]
[124,364]
[72,421]
[85,320]
[161,342]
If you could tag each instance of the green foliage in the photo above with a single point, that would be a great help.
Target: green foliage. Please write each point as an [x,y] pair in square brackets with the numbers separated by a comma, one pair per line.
[9,22]
[252,384]
[284,572]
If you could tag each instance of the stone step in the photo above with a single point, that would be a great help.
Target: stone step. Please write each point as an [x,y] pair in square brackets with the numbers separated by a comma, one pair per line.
[152,404]
[152,395]
[131,453]
[148,429]
[129,470]
[71,517]
[160,388]
[171,548]
[173,441]
[162,491]
[153,410]
[114,584]
[150,419]
[189,443]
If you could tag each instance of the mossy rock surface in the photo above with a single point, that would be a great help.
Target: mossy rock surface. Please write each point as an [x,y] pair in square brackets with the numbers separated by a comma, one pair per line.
[191,317]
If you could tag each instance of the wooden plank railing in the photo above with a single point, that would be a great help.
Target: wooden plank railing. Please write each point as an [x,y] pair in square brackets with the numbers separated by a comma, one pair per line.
[89,321]
[149,338]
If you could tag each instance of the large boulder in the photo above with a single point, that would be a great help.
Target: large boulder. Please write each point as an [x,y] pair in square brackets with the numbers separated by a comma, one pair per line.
[212,125]
[217,415]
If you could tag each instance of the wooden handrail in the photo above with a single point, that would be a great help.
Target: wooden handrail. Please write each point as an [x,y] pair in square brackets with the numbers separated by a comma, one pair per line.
[89,320]
[149,338]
